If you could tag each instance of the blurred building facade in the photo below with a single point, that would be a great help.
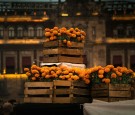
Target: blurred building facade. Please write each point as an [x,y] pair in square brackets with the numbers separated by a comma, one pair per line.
[110,28]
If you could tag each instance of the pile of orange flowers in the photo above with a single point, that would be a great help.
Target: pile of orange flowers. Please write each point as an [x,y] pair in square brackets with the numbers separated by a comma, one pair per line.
[67,36]
[111,74]
[94,75]
[36,73]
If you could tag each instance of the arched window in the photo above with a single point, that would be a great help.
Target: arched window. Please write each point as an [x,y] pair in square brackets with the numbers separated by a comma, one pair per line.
[1,32]
[39,32]
[19,32]
[11,32]
[30,32]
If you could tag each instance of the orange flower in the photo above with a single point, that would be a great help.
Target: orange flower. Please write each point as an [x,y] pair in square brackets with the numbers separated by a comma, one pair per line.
[113,75]
[107,80]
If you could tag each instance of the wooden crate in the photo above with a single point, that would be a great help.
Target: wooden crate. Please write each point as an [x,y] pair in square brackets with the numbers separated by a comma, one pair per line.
[56,51]
[111,92]
[70,92]
[38,92]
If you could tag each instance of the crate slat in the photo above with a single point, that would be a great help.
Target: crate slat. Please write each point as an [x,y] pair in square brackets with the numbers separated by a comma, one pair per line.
[120,93]
[56,59]
[39,84]
[59,43]
[66,51]
[37,100]
[38,91]
[112,92]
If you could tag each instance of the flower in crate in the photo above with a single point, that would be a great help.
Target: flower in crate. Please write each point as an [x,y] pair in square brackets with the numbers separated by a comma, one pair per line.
[67,36]
[36,73]
[110,74]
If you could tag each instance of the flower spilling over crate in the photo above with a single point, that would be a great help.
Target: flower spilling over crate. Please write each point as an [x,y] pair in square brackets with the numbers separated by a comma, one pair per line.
[45,73]
[111,74]
[111,84]
[67,36]
[56,85]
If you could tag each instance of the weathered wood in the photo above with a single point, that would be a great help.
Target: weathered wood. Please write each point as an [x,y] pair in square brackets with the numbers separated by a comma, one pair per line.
[38,100]
[59,58]
[38,92]
[56,51]
[58,43]
[71,91]
[112,92]
[66,51]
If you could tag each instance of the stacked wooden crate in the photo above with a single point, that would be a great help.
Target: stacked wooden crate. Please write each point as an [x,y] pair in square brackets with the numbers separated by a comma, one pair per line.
[112,92]
[70,92]
[56,51]
[58,91]
[38,92]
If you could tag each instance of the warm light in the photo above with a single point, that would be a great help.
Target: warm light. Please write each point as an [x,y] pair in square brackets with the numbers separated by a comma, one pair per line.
[64,14]
[4,71]
[14,76]
[95,13]
[78,13]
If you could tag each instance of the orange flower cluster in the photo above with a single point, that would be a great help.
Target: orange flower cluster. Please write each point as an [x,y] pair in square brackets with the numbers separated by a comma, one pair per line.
[64,34]
[36,73]
[98,74]
[110,74]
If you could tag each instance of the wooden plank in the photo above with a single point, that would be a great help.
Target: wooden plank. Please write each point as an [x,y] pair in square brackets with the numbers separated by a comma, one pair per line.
[79,84]
[71,59]
[38,84]
[120,93]
[59,43]
[37,100]
[119,86]
[61,100]
[101,99]
[66,51]
[80,91]
[38,91]
[99,93]
[100,87]
[56,59]
[114,99]
[62,91]
[62,83]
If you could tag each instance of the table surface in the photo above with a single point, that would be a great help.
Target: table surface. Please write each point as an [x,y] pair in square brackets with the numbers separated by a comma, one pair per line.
[109,108]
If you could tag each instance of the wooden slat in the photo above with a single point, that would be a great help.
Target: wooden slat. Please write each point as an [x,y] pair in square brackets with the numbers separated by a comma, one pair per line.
[62,83]
[119,86]
[38,84]
[61,100]
[37,100]
[69,59]
[63,51]
[59,43]
[62,91]
[100,87]
[79,84]
[99,93]
[38,91]
[120,93]
[80,91]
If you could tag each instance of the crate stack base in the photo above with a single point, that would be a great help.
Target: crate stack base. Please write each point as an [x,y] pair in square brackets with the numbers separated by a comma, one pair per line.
[56,51]
[71,92]
[58,91]
[111,92]
[38,92]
